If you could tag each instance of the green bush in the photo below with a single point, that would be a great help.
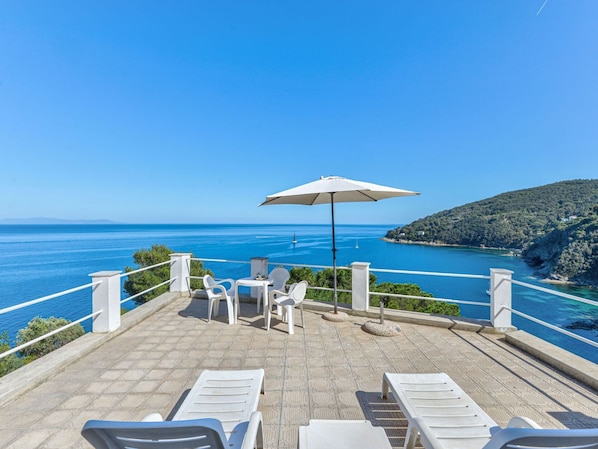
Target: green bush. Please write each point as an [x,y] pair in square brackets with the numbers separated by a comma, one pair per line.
[10,362]
[325,278]
[39,326]
[139,282]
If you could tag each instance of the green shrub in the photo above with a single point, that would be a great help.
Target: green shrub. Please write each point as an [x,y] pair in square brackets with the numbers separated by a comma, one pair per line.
[39,326]
[10,362]
[139,282]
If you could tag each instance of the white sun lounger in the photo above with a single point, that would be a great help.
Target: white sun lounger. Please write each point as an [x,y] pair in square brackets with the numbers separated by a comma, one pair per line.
[219,412]
[444,417]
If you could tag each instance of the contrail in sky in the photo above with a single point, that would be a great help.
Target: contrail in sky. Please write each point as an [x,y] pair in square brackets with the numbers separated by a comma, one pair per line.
[542,7]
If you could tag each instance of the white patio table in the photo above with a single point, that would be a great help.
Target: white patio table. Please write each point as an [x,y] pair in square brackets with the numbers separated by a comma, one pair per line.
[252,282]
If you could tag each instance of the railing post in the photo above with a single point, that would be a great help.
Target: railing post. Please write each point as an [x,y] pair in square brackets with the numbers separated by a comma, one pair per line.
[360,285]
[180,268]
[106,298]
[500,296]
[259,265]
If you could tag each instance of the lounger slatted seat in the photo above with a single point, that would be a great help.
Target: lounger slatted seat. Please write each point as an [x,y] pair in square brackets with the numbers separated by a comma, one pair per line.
[220,412]
[443,416]
[439,403]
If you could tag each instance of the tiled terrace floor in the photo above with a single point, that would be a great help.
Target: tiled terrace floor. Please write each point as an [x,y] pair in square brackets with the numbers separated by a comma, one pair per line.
[327,371]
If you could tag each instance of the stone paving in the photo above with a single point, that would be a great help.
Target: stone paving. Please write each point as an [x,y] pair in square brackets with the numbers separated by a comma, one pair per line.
[326,371]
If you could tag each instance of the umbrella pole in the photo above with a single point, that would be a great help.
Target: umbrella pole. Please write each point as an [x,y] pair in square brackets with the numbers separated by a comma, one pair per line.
[333,251]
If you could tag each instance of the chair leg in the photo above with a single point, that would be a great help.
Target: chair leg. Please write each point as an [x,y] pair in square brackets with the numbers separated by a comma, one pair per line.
[210,306]
[268,316]
[290,310]
[230,310]
[216,306]
[302,319]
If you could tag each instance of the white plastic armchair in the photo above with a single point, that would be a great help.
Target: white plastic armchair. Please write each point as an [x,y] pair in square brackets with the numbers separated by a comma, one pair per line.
[279,277]
[217,292]
[294,298]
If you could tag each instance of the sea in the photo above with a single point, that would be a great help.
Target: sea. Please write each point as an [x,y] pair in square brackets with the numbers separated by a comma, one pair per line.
[40,260]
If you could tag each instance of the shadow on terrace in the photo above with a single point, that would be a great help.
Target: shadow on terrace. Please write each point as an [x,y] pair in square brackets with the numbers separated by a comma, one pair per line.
[327,370]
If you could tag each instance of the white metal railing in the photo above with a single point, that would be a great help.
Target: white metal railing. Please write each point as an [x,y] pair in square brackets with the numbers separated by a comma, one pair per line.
[99,309]
[180,264]
[40,300]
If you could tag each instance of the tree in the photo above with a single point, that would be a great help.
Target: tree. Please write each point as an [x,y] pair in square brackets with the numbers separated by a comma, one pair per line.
[39,326]
[139,282]
[10,362]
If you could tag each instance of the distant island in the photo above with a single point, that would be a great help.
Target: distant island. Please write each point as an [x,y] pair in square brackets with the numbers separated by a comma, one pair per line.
[46,221]
[554,228]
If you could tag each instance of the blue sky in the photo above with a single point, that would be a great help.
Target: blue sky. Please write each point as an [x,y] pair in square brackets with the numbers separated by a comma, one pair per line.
[193,112]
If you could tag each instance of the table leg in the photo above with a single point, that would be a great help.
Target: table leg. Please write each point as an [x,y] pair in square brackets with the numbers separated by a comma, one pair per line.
[236,301]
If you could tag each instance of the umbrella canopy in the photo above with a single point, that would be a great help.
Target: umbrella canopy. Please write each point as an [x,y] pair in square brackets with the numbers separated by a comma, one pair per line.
[334,189]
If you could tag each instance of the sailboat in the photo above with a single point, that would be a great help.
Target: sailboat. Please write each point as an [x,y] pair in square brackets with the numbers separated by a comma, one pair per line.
[294,239]
[356,244]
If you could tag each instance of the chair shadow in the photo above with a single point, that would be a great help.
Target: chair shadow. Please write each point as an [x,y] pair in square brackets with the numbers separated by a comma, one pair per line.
[178,405]
[384,413]
[575,420]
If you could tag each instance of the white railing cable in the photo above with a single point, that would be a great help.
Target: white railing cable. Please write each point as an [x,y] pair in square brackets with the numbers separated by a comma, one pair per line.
[169,281]
[46,298]
[554,292]
[49,334]
[456,301]
[553,327]
[222,260]
[144,268]
[431,273]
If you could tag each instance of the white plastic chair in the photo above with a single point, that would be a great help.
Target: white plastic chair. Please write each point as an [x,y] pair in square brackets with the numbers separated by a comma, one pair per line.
[279,277]
[217,292]
[294,298]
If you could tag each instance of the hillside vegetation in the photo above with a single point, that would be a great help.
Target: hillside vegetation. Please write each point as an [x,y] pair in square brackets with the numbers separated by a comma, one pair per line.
[555,226]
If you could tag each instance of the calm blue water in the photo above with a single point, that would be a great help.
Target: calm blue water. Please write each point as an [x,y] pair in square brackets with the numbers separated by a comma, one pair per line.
[38,260]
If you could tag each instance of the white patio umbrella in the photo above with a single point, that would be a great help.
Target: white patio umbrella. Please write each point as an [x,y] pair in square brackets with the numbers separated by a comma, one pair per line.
[334,189]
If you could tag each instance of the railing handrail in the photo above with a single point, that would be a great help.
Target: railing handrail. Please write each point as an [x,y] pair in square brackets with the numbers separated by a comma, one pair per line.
[431,273]
[555,292]
[553,327]
[47,298]
[169,281]
[139,270]
[431,298]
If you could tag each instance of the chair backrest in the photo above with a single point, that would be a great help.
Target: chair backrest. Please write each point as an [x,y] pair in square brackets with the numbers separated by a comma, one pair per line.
[208,281]
[297,294]
[188,434]
[279,277]
[512,437]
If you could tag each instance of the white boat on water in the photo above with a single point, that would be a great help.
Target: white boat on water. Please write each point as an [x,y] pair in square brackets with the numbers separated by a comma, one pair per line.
[294,239]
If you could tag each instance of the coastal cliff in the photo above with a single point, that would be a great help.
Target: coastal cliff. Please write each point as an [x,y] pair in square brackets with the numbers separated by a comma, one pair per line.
[554,226]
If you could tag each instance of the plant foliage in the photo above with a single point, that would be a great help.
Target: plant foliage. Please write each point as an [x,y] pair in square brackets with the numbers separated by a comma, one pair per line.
[139,282]
[554,226]
[10,362]
[39,326]
[325,278]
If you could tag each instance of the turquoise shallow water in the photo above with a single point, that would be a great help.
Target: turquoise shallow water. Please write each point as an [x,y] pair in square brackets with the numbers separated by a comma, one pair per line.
[38,260]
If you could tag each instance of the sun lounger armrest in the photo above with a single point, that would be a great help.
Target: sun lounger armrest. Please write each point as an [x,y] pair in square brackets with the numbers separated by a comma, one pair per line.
[523,422]
[254,437]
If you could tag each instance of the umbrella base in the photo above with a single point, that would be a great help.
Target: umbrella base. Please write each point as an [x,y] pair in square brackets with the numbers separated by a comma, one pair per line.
[331,316]
[382,330]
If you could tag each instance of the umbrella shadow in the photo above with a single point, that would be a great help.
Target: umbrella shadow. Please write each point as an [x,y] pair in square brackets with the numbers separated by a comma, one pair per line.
[384,413]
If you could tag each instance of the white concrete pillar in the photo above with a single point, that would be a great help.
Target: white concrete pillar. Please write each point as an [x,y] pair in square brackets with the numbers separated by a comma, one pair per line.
[360,285]
[106,298]
[500,296]
[180,267]
[259,265]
